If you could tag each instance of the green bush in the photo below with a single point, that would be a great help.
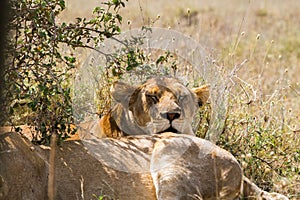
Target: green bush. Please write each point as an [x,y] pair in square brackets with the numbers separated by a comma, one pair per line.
[39,73]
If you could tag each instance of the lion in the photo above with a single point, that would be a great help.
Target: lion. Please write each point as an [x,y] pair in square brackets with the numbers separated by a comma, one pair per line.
[164,106]
[161,104]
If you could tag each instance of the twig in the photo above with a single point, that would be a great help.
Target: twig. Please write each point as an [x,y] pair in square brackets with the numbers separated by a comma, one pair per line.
[81,187]
[51,179]
[234,71]
[141,11]
[294,89]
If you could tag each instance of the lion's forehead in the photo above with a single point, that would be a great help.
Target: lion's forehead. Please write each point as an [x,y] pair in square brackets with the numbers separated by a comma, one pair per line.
[176,88]
[154,89]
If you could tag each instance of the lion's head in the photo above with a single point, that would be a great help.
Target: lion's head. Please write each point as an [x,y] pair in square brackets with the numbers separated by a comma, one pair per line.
[161,104]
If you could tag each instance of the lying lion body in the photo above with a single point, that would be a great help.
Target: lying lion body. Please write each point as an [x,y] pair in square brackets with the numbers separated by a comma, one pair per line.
[165,166]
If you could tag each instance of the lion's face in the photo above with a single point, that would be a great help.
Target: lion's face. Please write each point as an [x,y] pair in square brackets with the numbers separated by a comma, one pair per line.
[160,105]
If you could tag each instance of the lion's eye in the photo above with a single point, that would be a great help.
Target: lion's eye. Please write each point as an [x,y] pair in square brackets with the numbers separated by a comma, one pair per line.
[181,98]
[152,98]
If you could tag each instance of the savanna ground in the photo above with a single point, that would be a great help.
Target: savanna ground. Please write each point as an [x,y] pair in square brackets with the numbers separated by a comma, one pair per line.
[263,119]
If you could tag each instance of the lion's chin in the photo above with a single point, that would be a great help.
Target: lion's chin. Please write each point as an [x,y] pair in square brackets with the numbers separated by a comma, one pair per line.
[170,129]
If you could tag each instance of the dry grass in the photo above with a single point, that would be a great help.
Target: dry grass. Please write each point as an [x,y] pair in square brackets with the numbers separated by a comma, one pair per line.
[263,120]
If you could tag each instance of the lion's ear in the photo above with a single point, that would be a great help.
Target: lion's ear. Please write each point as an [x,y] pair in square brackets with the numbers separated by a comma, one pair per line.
[202,94]
[122,92]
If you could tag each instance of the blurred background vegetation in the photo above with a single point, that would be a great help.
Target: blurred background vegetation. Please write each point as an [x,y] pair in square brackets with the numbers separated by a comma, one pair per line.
[263,118]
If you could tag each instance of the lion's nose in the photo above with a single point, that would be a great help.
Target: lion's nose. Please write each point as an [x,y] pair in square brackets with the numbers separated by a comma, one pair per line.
[171,115]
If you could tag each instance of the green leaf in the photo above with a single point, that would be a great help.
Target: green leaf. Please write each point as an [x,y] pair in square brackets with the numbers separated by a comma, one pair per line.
[62,4]
[116,2]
